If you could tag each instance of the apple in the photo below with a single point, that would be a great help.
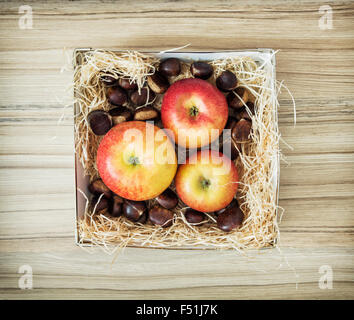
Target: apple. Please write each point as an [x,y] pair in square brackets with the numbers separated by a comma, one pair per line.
[207,182]
[195,111]
[136,160]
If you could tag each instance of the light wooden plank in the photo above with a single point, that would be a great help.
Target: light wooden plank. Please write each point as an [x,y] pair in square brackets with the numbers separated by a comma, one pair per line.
[282,292]
[36,169]
[57,90]
[320,137]
[291,270]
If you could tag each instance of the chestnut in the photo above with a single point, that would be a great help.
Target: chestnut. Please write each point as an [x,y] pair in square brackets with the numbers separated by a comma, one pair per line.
[230,219]
[116,96]
[127,84]
[201,70]
[116,206]
[97,187]
[158,82]
[146,96]
[133,210]
[227,81]
[237,98]
[233,203]
[170,67]
[243,114]
[231,122]
[99,121]
[146,113]
[168,199]
[120,114]
[193,216]
[161,216]
[143,218]
[101,204]
[108,80]
[241,132]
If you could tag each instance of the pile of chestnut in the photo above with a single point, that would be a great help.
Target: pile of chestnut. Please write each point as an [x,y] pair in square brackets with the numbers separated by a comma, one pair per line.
[104,201]
[122,93]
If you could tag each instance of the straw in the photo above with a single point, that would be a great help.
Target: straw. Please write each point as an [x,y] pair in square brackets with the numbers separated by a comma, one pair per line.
[257,163]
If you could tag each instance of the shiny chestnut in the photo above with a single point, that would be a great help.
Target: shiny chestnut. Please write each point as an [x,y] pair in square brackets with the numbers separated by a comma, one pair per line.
[168,199]
[202,70]
[227,81]
[158,82]
[145,96]
[127,84]
[116,96]
[237,98]
[133,210]
[241,132]
[99,121]
[120,114]
[193,216]
[161,216]
[230,219]
[97,187]
[146,113]
[99,204]
[116,209]
[170,67]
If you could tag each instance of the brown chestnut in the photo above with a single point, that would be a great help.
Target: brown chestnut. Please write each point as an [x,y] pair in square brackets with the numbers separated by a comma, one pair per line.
[116,206]
[237,98]
[241,132]
[233,203]
[231,122]
[201,70]
[158,82]
[133,210]
[99,204]
[143,218]
[170,67]
[243,114]
[193,216]
[120,114]
[127,84]
[227,81]
[116,96]
[230,219]
[146,113]
[146,96]
[161,216]
[99,121]
[168,199]
[108,80]
[97,187]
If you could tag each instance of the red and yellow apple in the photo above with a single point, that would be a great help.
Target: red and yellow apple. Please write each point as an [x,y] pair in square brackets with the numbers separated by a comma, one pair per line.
[195,111]
[207,182]
[136,160]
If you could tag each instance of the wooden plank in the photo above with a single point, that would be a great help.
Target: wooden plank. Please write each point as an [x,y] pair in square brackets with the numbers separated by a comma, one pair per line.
[322,137]
[299,80]
[312,174]
[36,150]
[291,272]
[171,27]
[282,292]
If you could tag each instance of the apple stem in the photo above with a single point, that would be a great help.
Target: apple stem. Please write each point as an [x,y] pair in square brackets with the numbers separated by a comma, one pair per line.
[193,111]
[205,183]
[133,160]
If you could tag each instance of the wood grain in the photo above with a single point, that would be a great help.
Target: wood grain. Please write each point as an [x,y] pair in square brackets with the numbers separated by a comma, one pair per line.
[36,150]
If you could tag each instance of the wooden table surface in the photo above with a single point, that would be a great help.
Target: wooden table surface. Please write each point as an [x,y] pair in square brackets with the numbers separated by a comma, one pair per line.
[37,165]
